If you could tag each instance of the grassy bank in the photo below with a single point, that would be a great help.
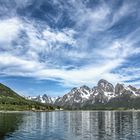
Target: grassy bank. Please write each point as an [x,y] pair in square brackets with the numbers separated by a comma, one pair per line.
[10,107]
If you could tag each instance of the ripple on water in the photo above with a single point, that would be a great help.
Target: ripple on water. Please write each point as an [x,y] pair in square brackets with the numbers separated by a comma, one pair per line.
[70,125]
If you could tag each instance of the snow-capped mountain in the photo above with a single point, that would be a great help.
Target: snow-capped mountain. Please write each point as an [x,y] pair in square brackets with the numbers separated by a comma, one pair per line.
[76,96]
[104,93]
[43,99]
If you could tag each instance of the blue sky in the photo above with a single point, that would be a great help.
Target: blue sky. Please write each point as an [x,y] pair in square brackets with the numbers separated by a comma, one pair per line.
[51,46]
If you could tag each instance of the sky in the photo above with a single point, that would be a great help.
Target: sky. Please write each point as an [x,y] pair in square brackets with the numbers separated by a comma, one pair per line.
[51,46]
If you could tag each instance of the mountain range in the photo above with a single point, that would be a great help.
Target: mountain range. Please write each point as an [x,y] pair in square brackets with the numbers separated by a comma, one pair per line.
[43,99]
[102,96]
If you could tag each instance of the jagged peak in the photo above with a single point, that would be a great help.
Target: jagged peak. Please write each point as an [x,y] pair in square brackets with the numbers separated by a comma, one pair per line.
[94,88]
[85,87]
[105,86]
[44,95]
[132,88]
[118,88]
[103,81]
[39,96]
[74,89]
[120,84]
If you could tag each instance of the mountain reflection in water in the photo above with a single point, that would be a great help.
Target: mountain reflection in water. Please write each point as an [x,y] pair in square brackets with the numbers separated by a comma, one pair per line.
[70,125]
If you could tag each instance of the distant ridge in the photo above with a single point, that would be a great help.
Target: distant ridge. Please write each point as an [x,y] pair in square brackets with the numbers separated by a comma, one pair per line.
[43,99]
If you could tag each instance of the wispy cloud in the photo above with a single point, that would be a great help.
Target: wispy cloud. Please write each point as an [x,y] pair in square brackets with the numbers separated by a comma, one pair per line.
[93,47]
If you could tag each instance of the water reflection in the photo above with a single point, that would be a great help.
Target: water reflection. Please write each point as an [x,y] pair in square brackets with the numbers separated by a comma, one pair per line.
[71,125]
[9,123]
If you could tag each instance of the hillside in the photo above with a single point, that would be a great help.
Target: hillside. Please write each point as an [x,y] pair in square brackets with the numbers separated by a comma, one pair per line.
[10,100]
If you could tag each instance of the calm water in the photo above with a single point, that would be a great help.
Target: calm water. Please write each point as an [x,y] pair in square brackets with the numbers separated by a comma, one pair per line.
[70,125]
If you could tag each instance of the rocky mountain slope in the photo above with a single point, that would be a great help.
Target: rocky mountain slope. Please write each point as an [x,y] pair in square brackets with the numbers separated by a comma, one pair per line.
[102,96]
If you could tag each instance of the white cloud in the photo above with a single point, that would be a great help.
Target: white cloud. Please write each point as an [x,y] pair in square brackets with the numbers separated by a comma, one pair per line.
[18,63]
[87,75]
[93,20]
[49,44]
[65,36]
[9,29]
[29,65]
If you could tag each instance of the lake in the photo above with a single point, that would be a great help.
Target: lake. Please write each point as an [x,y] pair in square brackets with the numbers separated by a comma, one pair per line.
[70,125]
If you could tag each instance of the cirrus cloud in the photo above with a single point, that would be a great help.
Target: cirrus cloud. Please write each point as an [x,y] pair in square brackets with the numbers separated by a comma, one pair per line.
[95,45]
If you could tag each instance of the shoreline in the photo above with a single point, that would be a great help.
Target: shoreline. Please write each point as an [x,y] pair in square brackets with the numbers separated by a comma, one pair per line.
[27,111]
[22,111]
